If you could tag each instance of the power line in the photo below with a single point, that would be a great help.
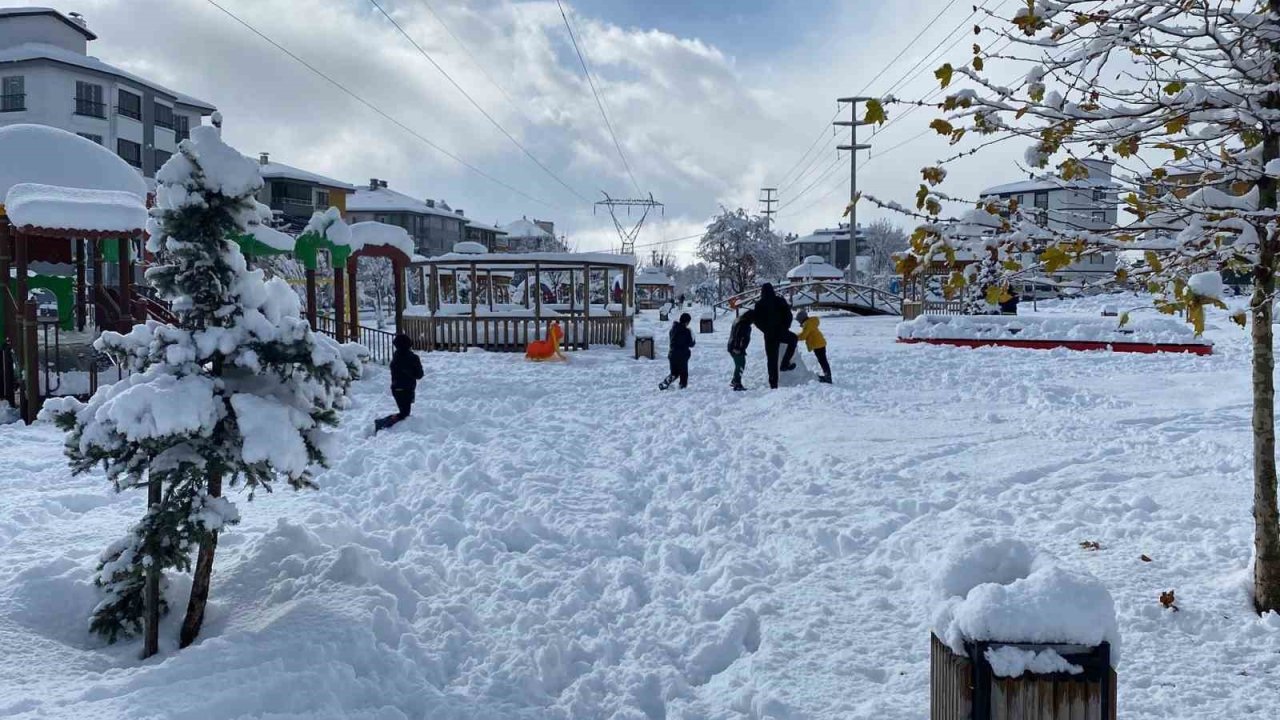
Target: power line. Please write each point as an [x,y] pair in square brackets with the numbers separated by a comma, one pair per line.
[825,127]
[477,105]
[599,103]
[378,110]
[906,47]
[923,63]
[808,168]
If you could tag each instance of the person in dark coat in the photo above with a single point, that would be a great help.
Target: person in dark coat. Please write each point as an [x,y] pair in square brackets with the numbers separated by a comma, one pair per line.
[406,371]
[773,319]
[739,339]
[681,350]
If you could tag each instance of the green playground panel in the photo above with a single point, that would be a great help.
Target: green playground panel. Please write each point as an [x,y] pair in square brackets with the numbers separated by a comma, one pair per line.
[63,289]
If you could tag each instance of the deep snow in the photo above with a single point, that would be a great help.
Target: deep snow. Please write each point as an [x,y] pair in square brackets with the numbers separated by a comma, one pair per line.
[564,540]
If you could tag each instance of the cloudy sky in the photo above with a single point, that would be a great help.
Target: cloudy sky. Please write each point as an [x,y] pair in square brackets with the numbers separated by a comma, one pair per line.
[710,99]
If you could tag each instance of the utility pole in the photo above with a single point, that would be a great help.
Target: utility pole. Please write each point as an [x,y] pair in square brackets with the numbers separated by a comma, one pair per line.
[769,199]
[853,147]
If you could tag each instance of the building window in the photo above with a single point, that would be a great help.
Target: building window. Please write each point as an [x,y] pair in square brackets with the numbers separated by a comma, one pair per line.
[181,127]
[1100,216]
[1042,200]
[322,199]
[91,137]
[1099,195]
[164,116]
[130,152]
[162,157]
[13,94]
[89,100]
[1097,260]
[129,104]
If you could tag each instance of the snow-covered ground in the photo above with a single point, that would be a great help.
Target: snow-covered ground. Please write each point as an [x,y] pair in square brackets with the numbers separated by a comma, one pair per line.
[564,541]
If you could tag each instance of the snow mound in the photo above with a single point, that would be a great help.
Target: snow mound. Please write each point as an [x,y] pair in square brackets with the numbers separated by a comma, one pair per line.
[376,234]
[1011,662]
[51,206]
[49,156]
[1207,285]
[1003,590]
[1155,330]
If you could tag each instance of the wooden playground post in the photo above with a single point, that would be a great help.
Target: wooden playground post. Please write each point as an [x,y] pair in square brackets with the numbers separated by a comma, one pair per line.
[339,302]
[30,363]
[475,329]
[399,271]
[353,303]
[19,298]
[81,308]
[311,297]
[95,264]
[585,336]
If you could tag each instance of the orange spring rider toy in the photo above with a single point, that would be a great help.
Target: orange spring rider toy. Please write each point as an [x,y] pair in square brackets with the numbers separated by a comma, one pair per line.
[549,349]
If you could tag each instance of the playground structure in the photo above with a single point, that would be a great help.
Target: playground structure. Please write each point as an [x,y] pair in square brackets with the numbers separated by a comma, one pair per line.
[822,295]
[80,220]
[573,290]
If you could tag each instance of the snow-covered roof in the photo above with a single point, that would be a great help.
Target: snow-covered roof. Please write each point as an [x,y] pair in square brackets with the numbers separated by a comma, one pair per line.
[1048,183]
[64,208]
[273,170]
[43,51]
[525,228]
[366,234]
[653,276]
[527,260]
[814,267]
[50,156]
[388,200]
[822,235]
[37,10]
[486,226]
[470,248]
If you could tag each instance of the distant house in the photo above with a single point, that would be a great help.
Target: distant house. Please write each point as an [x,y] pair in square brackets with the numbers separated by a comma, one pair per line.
[294,194]
[47,77]
[433,225]
[526,235]
[1081,204]
[831,244]
[490,236]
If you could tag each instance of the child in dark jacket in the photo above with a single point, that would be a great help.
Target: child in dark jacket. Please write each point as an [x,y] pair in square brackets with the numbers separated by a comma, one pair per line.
[406,371]
[739,339]
[681,350]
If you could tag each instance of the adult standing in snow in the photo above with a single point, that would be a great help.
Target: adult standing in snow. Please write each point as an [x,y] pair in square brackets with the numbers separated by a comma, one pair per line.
[406,371]
[681,349]
[773,319]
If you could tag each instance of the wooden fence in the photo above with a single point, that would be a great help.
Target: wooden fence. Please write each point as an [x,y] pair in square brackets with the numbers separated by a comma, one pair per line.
[456,334]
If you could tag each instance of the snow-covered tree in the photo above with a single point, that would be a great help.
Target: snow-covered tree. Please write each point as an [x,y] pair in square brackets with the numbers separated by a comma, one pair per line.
[375,278]
[882,240]
[239,392]
[1182,94]
[743,250]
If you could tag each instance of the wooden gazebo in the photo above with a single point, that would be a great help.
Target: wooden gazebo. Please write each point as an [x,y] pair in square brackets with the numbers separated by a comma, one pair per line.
[654,288]
[551,287]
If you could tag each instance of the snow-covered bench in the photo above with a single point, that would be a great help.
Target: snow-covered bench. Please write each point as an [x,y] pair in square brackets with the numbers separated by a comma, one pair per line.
[1074,332]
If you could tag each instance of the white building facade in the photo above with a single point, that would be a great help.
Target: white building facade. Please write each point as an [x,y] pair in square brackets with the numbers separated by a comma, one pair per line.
[1078,205]
[47,77]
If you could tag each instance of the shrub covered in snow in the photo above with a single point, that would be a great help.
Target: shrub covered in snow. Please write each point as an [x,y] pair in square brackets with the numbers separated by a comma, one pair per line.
[239,390]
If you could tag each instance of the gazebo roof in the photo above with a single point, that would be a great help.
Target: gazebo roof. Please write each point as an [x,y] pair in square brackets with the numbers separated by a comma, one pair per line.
[49,156]
[815,267]
[653,276]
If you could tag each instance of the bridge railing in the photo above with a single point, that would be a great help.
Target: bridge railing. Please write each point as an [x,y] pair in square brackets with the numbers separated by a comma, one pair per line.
[822,293]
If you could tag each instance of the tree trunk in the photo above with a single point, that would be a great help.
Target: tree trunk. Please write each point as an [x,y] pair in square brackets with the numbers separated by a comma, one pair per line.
[151,593]
[1266,519]
[203,574]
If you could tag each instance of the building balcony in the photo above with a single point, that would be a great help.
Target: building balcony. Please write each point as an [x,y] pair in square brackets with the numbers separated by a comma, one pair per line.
[293,208]
[14,102]
[89,108]
[129,113]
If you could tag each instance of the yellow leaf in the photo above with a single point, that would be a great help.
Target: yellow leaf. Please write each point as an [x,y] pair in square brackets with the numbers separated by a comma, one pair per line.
[875,112]
[1036,93]
[1124,319]
[1239,318]
[933,207]
[976,50]
[942,127]
[933,175]
[921,195]
[1127,147]
[977,63]
[1174,87]
[1122,275]
[997,295]
[1195,315]
[1054,258]
[1153,261]
[1176,125]
[944,74]
[1021,111]
[1181,153]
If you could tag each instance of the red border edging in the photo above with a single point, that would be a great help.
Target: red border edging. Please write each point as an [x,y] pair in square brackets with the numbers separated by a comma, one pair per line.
[1132,347]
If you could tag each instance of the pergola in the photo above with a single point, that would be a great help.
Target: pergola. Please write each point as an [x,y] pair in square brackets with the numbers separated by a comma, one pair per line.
[63,200]
[554,287]
[653,288]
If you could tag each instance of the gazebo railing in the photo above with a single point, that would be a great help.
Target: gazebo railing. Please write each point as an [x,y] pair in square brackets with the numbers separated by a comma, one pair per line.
[513,334]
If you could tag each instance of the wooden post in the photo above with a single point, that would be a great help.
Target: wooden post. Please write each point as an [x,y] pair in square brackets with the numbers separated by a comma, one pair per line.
[99,288]
[422,285]
[353,302]
[399,269]
[7,310]
[573,292]
[339,302]
[125,282]
[80,296]
[30,363]
[586,306]
[475,286]
[490,290]
[537,296]
[311,297]
[151,591]
[433,301]
[19,243]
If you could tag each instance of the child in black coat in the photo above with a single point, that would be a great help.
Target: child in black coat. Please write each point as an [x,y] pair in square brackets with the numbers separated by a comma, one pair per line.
[739,339]
[681,350]
[406,371]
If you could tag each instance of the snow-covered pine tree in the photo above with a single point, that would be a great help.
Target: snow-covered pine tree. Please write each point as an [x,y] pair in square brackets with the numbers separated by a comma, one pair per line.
[239,391]
[1185,96]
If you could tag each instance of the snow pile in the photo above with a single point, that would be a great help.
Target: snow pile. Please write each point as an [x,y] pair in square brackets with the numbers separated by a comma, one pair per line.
[329,224]
[56,207]
[1155,330]
[1208,285]
[1003,590]
[376,234]
[49,156]
[1011,662]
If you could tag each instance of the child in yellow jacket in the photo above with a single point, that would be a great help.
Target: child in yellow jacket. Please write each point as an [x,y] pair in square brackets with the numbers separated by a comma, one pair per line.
[815,342]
